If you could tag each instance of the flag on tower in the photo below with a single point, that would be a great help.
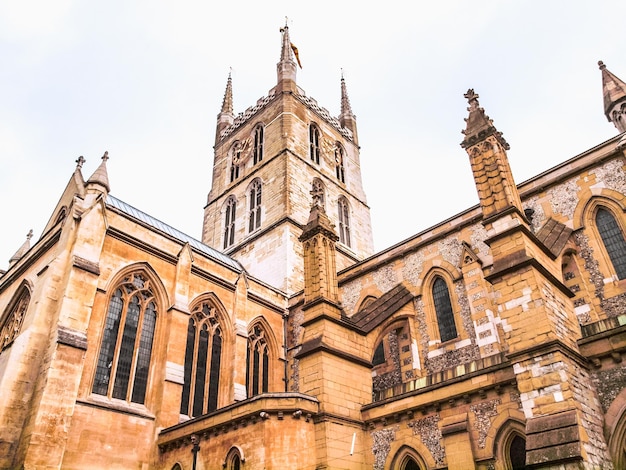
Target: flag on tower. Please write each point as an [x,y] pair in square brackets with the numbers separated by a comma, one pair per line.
[295,52]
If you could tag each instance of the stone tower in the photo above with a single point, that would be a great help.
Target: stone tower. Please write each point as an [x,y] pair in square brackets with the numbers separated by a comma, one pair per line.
[270,163]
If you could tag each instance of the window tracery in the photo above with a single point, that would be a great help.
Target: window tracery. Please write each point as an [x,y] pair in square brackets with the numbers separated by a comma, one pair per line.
[13,323]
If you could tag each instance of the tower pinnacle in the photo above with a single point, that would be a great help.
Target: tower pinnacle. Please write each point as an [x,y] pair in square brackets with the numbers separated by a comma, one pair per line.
[614,93]
[286,67]
[347,119]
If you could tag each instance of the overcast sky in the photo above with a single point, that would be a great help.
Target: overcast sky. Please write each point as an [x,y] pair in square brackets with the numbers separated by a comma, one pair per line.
[144,80]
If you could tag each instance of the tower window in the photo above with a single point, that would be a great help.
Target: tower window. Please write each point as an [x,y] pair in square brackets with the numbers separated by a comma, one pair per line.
[203,354]
[229,222]
[344,221]
[254,215]
[613,239]
[257,376]
[258,144]
[124,359]
[443,309]
[237,150]
[339,167]
[314,143]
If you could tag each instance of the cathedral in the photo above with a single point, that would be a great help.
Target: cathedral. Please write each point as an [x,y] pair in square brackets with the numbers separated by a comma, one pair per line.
[493,340]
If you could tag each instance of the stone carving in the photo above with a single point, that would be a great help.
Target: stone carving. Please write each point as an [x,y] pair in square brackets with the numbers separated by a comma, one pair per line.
[484,411]
[450,249]
[430,434]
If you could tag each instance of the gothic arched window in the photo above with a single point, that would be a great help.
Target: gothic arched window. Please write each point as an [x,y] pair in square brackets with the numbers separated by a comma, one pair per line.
[339,167]
[124,359]
[229,222]
[12,323]
[254,215]
[443,309]
[257,376]
[314,143]
[613,239]
[344,221]
[236,151]
[203,355]
[258,144]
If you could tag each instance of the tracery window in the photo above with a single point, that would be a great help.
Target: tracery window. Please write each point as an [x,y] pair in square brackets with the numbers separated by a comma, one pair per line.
[124,359]
[254,214]
[344,221]
[314,143]
[258,144]
[443,309]
[203,355]
[339,167]
[229,222]
[12,324]
[257,376]
[613,239]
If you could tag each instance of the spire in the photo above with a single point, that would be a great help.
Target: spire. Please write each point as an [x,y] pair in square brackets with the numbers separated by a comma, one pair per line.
[479,126]
[614,93]
[286,67]
[101,176]
[227,103]
[226,116]
[22,250]
[346,118]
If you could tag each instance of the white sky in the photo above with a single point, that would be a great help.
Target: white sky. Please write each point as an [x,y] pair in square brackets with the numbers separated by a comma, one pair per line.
[145,81]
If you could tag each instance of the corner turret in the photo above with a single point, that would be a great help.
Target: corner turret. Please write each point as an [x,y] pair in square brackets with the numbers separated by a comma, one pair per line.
[286,67]
[225,117]
[347,118]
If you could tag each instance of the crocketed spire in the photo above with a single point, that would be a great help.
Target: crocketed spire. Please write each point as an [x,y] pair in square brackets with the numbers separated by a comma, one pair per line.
[614,94]
[286,67]
[227,104]
[347,118]
[479,126]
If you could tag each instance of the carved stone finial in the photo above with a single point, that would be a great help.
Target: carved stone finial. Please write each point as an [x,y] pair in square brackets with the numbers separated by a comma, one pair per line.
[472,99]
[79,162]
[105,157]
[29,235]
[601,65]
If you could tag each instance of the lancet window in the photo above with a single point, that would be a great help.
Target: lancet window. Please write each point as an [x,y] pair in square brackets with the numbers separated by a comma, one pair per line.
[229,222]
[344,221]
[257,377]
[443,309]
[254,214]
[258,144]
[613,239]
[314,143]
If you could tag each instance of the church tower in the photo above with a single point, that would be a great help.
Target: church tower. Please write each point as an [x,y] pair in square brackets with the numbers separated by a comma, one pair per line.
[270,163]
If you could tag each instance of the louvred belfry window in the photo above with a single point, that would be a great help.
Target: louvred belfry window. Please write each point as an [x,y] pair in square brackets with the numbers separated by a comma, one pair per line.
[203,357]
[314,143]
[344,221]
[126,348]
[258,144]
[339,167]
[229,222]
[254,215]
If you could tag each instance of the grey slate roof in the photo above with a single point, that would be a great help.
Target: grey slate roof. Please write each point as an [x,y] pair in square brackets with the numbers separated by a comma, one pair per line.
[172,232]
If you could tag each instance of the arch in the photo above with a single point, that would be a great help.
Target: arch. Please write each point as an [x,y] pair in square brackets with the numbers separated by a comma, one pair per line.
[405,456]
[255,204]
[160,291]
[257,149]
[340,170]
[612,235]
[615,429]
[589,201]
[14,314]
[234,458]
[343,215]
[510,445]
[230,215]
[369,299]
[206,346]
[441,306]
[177,466]
[314,143]
[260,355]
[61,215]
[133,307]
